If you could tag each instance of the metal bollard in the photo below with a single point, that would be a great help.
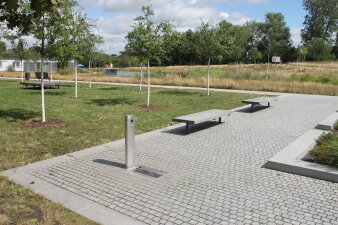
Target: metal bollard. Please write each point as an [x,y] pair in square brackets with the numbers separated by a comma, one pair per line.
[130,141]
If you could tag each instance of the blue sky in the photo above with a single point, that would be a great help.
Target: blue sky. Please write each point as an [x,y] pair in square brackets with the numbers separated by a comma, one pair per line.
[113,18]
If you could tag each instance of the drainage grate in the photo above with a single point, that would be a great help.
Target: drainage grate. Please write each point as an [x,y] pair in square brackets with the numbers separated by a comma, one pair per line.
[149,172]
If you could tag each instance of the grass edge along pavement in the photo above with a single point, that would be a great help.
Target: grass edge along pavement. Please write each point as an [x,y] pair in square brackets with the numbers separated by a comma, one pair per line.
[94,119]
[318,78]
[326,150]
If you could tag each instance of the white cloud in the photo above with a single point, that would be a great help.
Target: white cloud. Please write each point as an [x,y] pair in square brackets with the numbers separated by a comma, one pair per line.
[121,5]
[113,30]
[240,2]
[236,18]
[185,14]
[296,36]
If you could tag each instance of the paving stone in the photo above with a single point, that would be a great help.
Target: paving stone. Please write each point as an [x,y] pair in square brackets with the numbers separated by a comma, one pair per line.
[214,175]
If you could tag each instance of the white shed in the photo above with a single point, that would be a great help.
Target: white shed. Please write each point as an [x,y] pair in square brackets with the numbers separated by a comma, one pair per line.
[6,64]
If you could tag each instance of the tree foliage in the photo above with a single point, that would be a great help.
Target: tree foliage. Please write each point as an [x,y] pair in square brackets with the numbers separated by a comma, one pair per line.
[321,20]
[144,39]
[20,13]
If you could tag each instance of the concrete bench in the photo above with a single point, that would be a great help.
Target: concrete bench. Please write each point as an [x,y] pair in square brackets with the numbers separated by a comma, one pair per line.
[329,122]
[202,117]
[258,101]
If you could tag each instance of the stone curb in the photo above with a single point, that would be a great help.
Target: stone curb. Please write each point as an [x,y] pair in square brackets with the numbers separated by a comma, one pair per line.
[290,159]
[329,122]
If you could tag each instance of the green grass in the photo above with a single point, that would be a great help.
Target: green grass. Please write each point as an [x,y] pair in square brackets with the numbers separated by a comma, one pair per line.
[315,79]
[326,151]
[95,118]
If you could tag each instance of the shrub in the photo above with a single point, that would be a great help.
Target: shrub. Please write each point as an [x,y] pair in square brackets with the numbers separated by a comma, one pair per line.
[10,68]
[65,71]
[326,150]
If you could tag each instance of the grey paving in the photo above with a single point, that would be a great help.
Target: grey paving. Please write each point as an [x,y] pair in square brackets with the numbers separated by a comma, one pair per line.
[214,175]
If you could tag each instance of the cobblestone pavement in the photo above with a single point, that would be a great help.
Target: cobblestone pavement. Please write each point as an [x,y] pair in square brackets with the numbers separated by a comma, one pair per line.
[214,175]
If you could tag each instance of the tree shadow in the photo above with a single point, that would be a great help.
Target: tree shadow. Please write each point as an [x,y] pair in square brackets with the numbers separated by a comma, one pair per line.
[114,101]
[109,88]
[176,92]
[55,93]
[13,115]
[48,91]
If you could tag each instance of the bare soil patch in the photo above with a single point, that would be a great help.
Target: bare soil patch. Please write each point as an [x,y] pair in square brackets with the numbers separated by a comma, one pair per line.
[150,107]
[34,216]
[50,123]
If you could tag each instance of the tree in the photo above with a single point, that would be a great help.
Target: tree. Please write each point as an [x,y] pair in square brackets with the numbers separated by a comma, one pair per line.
[241,38]
[255,54]
[318,50]
[277,37]
[209,46]
[144,41]
[169,40]
[17,14]
[3,49]
[320,21]
[68,34]
[301,53]
[226,37]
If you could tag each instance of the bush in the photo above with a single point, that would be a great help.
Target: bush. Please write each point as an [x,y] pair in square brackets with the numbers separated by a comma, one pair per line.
[326,150]
[65,71]
[10,68]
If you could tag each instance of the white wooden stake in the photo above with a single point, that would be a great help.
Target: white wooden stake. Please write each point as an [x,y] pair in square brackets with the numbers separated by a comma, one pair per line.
[141,77]
[148,100]
[208,88]
[75,64]
[22,70]
[90,76]
[43,110]
[51,70]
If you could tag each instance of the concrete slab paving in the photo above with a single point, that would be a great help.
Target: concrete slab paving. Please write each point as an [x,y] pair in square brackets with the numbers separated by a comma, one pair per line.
[214,175]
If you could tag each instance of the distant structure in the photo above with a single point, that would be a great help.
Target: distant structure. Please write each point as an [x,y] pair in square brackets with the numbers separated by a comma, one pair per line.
[6,64]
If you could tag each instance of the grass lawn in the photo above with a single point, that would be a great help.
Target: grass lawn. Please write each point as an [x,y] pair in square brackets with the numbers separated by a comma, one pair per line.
[97,117]
[326,150]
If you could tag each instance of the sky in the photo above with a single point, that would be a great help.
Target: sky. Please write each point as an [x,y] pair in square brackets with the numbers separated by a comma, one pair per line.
[113,18]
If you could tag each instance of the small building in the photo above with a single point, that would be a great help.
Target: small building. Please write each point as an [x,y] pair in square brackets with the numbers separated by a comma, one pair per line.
[29,65]
[7,64]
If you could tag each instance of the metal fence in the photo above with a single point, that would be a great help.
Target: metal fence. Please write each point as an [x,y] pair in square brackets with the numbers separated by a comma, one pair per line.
[48,66]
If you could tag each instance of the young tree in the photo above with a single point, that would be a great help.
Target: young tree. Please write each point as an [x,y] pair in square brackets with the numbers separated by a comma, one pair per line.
[18,14]
[144,41]
[255,55]
[301,53]
[209,46]
[241,39]
[321,20]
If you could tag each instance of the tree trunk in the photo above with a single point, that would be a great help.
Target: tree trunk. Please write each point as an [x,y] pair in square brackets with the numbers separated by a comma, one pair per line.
[148,99]
[22,73]
[90,75]
[208,88]
[141,77]
[75,64]
[43,110]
